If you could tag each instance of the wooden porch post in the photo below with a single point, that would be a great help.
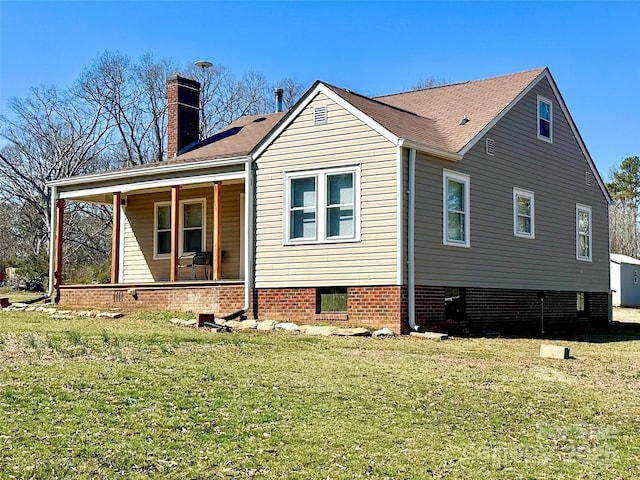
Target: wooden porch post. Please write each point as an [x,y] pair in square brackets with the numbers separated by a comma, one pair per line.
[217,233]
[115,238]
[59,232]
[175,232]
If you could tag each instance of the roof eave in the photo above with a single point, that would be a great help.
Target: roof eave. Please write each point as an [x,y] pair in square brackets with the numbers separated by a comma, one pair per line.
[429,150]
[161,168]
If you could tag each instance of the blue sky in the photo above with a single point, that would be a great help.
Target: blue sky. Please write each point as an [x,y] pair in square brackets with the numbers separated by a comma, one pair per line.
[591,48]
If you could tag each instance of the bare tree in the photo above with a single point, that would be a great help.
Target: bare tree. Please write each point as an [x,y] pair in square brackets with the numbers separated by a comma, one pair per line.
[52,136]
[429,81]
[132,98]
[291,91]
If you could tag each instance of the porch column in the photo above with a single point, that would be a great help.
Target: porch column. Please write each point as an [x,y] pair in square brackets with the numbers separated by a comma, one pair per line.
[59,232]
[217,233]
[175,232]
[115,238]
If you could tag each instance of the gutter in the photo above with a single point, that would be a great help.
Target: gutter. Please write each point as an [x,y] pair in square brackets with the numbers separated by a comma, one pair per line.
[411,281]
[53,195]
[248,232]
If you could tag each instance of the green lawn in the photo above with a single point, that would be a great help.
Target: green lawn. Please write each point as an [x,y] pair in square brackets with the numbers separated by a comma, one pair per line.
[139,397]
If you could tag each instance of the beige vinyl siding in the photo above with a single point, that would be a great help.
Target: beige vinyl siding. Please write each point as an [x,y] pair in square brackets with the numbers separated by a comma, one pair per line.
[139,266]
[343,141]
[555,172]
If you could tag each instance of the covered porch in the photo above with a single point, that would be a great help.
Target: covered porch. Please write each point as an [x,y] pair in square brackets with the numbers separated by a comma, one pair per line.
[179,236]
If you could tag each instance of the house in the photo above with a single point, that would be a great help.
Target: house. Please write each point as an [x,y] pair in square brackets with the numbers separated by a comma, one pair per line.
[462,208]
[625,289]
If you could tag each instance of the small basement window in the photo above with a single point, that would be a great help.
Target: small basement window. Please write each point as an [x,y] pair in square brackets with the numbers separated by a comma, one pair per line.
[581,304]
[331,300]
[453,304]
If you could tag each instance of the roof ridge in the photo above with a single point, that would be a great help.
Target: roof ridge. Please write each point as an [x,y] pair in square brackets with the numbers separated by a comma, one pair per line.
[495,77]
[375,100]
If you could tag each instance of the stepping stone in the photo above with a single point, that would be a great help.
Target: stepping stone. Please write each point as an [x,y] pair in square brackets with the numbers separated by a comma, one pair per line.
[352,332]
[267,325]
[246,325]
[287,327]
[60,316]
[191,323]
[319,330]
[232,324]
[383,332]
[176,321]
[438,337]
[110,315]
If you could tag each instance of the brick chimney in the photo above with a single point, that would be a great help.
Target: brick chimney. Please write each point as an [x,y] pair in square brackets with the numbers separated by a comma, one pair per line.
[183,113]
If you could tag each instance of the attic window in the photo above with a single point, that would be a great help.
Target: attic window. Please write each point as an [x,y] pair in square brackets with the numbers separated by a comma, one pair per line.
[320,115]
[491,146]
[587,178]
[545,119]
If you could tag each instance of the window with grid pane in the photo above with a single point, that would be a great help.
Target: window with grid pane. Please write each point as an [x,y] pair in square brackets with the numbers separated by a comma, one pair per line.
[583,232]
[192,226]
[163,229]
[545,119]
[322,205]
[523,213]
[456,209]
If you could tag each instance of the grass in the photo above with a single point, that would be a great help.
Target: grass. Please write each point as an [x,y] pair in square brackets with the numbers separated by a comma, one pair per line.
[141,398]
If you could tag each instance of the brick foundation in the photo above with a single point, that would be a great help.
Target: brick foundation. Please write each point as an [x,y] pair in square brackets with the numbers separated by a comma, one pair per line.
[220,299]
[514,312]
[373,307]
[483,311]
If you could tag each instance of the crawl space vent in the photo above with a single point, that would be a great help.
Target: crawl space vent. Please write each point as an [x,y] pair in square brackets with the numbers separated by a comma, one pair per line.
[320,115]
[491,147]
[587,178]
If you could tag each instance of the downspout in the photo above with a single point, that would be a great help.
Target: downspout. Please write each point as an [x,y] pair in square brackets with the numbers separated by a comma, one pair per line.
[411,281]
[53,196]
[248,231]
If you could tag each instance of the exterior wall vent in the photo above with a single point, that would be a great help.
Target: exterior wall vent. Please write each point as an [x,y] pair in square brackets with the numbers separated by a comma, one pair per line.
[491,147]
[587,178]
[320,115]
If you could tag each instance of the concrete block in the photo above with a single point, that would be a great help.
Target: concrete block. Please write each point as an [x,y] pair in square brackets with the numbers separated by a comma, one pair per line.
[554,351]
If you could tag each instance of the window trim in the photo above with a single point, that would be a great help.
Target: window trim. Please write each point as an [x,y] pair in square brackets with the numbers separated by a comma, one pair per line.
[584,208]
[156,205]
[542,99]
[519,192]
[466,181]
[320,176]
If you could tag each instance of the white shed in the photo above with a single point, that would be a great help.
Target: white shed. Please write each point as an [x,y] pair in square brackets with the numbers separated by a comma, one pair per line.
[625,280]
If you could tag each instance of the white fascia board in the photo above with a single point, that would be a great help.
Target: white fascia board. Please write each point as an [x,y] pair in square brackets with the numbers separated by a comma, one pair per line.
[155,170]
[545,74]
[310,96]
[168,182]
[433,151]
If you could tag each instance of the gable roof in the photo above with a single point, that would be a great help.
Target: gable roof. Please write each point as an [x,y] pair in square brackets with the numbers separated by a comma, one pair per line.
[430,119]
[480,101]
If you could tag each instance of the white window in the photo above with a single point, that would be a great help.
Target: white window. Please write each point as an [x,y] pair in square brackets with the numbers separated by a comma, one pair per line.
[456,218]
[545,119]
[583,232]
[322,206]
[523,213]
[191,225]
[162,229]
